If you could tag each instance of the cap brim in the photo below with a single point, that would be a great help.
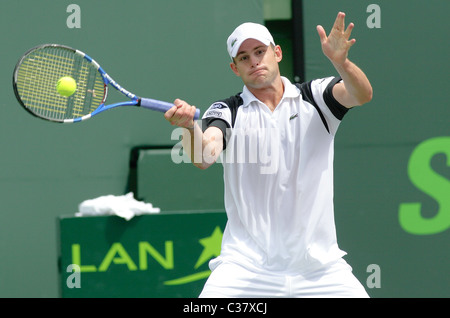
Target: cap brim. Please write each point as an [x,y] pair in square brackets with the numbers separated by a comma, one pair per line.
[238,44]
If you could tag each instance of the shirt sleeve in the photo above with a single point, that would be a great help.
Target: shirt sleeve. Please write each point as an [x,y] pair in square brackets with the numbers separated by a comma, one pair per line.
[322,92]
[218,115]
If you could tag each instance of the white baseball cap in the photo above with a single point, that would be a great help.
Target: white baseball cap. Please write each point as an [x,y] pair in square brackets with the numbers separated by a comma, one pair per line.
[246,31]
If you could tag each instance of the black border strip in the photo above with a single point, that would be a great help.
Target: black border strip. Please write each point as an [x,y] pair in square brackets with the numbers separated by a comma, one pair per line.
[298,41]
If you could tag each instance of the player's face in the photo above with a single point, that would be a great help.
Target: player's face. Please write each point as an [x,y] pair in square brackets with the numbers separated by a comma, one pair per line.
[256,63]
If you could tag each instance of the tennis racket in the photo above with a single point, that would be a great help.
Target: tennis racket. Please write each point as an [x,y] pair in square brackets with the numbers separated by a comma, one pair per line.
[38,71]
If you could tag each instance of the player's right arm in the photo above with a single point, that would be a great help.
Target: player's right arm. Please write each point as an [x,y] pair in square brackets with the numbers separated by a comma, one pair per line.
[202,147]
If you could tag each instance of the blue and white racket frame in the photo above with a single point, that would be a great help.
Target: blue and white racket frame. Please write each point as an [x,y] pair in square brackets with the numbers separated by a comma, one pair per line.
[37,71]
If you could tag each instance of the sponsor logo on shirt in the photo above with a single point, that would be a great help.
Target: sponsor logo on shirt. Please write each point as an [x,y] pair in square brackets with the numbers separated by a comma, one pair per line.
[218,106]
[214,113]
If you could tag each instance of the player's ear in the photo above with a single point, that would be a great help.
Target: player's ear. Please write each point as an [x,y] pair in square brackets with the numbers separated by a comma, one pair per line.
[234,68]
[278,53]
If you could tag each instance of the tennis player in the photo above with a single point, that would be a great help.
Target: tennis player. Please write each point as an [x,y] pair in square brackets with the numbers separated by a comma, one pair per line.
[275,141]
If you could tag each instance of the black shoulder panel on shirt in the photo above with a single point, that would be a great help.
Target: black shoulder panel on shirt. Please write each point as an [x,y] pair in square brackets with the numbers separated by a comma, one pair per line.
[336,108]
[305,89]
[233,103]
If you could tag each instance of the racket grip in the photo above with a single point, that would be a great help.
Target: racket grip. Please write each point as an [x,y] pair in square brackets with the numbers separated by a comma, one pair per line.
[161,106]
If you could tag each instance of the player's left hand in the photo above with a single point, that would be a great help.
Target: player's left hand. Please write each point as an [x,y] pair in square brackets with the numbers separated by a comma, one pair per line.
[337,44]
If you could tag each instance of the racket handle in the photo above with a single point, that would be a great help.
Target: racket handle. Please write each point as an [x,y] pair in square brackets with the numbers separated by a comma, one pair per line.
[161,106]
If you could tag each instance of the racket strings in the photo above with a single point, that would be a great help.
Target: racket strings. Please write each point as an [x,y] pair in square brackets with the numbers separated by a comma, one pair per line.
[39,73]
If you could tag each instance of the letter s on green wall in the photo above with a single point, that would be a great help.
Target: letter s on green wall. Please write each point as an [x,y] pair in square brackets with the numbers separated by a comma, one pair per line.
[433,184]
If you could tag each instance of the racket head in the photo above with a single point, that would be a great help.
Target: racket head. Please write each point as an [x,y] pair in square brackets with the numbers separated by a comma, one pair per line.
[37,73]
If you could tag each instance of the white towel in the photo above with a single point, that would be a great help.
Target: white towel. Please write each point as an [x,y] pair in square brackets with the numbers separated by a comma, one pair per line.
[124,206]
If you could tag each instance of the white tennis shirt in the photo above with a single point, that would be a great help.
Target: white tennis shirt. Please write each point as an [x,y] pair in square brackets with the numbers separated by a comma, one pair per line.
[278,174]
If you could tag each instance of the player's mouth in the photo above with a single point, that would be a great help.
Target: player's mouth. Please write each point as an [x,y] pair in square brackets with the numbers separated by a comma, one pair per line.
[258,71]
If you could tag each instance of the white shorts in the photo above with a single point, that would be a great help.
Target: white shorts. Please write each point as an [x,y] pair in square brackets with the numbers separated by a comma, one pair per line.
[230,280]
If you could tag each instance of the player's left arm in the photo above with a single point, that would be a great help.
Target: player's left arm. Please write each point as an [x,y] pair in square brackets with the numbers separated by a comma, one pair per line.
[355,88]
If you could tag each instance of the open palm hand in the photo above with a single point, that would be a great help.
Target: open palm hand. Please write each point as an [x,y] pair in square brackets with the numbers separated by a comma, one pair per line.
[336,45]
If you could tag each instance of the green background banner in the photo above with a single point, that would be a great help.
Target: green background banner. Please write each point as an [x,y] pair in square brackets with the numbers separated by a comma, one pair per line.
[161,255]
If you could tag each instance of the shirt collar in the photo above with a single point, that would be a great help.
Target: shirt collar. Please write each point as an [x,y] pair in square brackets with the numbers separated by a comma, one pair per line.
[290,91]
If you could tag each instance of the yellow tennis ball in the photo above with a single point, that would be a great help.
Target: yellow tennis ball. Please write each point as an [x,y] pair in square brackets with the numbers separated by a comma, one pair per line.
[66,86]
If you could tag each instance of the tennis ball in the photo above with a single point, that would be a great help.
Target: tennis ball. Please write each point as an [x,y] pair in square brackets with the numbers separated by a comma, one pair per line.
[66,86]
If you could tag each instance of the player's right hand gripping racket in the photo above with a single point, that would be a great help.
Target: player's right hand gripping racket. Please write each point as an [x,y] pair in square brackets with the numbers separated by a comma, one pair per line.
[36,76]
